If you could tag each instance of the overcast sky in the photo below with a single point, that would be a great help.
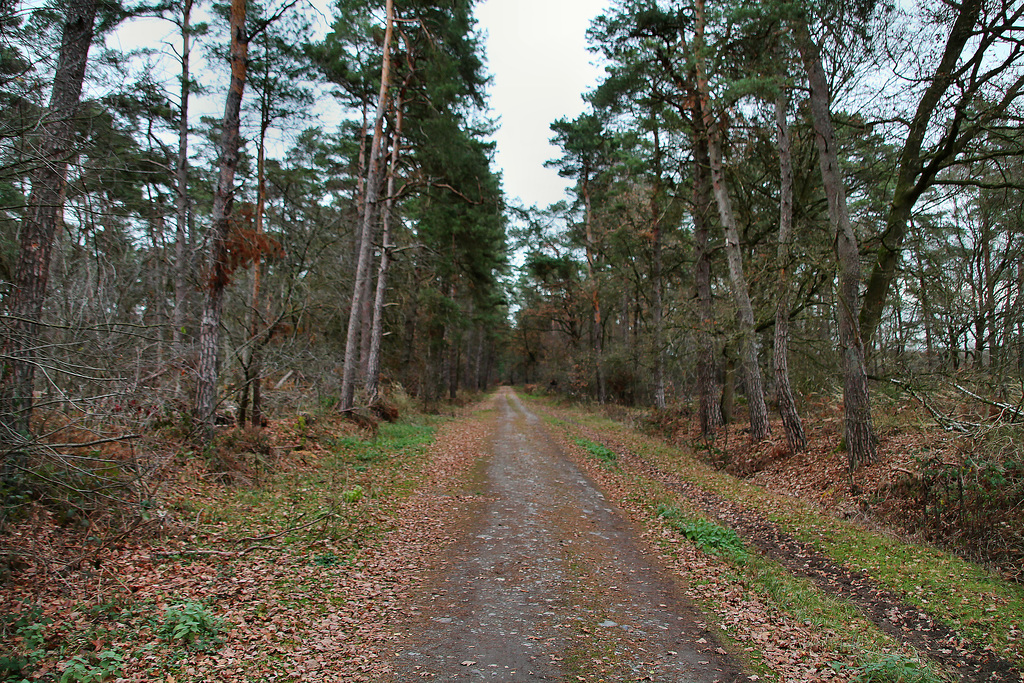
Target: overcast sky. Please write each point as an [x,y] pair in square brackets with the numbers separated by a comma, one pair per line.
[536,53]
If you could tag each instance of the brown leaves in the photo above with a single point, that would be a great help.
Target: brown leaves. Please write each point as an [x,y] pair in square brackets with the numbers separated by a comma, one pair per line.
[242,247]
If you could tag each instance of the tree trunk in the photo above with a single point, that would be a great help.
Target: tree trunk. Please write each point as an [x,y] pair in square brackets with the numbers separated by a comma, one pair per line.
[924,296]
[255,337]
[759,425]
[795,436]
[728,385]
[181,240]
[39,227]
[859,429]
[1019,307]
[157,282]
[657,314]
[480,359]
[377,328]
[981,305]
[372,192]
[223,201]
[708,390]
[595,295]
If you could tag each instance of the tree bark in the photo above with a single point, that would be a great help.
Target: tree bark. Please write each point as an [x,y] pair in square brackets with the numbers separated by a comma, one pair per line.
[795,436]
[595,295]
[1019,307]
[657,314]
[708,390]
[728,385]
[39,227]
[759,425]
[372,192]
[255,338]
[859,428]
[926,311]
[223,201]
[181,239]
[377,328]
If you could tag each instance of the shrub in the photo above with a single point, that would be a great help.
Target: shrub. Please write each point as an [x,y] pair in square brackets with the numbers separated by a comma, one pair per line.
[192,624]
[892,668]
[92,669]
[353,495]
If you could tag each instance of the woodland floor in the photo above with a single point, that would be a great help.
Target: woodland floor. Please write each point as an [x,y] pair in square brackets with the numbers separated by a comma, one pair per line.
[519,541]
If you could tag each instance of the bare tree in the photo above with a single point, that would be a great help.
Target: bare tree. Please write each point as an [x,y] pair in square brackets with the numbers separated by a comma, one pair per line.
[966,94]
[218,273]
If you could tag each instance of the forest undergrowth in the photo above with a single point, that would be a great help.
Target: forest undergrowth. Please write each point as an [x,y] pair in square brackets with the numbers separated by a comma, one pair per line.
[961,489]
[274,554]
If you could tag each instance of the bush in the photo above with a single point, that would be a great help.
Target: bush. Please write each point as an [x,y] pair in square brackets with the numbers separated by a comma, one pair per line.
[28,627]
[977,504]
[353,495]
[892,668]
[92,669]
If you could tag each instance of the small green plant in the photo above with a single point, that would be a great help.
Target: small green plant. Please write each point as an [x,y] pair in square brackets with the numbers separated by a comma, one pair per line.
[92,669]
[370,455]
[604,455]
[707,535]
[353,495]
[892,668]
[326,560]
[192,624]
[28,626]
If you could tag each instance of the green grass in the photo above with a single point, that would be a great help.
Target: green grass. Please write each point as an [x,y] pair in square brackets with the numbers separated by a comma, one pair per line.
[604,455]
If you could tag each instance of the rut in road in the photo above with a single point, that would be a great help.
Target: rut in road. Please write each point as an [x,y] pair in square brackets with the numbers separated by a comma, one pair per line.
[550,583]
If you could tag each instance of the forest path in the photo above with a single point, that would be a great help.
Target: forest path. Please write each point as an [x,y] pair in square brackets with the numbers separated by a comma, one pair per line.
[550,582]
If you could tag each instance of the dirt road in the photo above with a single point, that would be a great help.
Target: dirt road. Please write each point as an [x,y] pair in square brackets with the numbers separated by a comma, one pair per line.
[550,583]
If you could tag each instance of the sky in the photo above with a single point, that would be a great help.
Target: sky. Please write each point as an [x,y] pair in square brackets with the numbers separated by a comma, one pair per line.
[537,56]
